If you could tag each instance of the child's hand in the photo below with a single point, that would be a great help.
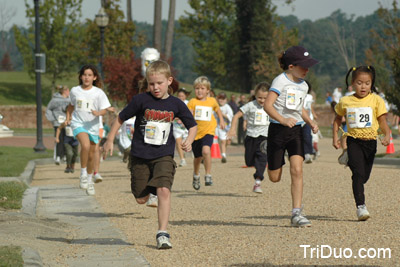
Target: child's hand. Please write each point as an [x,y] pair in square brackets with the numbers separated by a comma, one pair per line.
[186,146]
[111,109]
[230,134]
[57,140]
[222,124]
[314,128]
[107,147]
[386,140]
[335,142]
[289,122]
[96,113]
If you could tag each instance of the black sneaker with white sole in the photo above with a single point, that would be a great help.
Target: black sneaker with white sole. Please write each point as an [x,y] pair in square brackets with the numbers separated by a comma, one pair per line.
[163,241]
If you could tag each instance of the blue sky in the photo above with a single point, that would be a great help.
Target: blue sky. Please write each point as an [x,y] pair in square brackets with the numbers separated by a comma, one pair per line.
[143,9]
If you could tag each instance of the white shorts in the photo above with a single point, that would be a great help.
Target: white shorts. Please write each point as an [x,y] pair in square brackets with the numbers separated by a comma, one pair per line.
[221,133]
[179,133]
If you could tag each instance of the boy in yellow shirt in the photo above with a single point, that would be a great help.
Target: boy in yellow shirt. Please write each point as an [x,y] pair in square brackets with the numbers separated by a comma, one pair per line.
[202,108]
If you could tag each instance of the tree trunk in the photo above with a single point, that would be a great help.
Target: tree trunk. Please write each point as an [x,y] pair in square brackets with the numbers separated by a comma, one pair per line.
[157,25]
[170,29]
[129,10]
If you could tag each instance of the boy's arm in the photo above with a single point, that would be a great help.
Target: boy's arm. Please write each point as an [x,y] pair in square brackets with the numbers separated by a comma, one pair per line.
[385,129]
[307,119]
[232,131]
[336,124]
[187,143]
[57,138]
[109,144]
[221,119]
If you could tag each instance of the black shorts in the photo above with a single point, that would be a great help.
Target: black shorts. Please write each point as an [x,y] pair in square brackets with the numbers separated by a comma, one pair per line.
[197,145]
[149,174]
[280,139]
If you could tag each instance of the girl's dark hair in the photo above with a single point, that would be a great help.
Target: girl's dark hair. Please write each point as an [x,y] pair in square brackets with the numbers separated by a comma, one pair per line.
[362,69]
[262,86]
[282,62]
[309,87]
[98,82]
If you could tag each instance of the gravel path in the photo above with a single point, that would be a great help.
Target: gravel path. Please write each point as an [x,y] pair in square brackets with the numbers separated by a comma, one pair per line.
[229,225]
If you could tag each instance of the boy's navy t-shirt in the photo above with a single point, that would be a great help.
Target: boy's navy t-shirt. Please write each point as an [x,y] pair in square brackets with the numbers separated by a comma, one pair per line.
[147,108]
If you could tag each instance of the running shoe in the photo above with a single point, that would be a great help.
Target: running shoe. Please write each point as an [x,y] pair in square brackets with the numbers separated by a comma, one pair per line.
[83,182]
[223,160]
[163,241]
[257,189]
[299,220]
[90,189]
[208,179]
[97,178]
[343,158]
[362,213]
[307,158]
[57,162]
[67,170]
[183,163]
[152,201]
[196,182]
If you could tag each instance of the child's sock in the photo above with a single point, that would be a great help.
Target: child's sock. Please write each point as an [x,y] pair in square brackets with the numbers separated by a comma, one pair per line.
[258,181]
[90,178]
[295,210]
[83,171]
[161,231]
[223,155]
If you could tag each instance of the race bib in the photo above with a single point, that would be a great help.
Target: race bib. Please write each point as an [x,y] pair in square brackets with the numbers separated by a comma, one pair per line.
[261,117]
[294,99]
[84,105]
[61,119]
[68,131]
[203,113]
[157,133]
[359,117]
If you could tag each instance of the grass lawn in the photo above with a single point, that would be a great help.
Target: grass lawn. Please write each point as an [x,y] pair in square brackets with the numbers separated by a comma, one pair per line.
[11,256]
[11,194]
[13,160]
[32,131]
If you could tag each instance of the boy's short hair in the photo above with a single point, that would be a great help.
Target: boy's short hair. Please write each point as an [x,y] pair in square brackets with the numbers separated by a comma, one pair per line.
[222,95]
[202,80]
[159,67]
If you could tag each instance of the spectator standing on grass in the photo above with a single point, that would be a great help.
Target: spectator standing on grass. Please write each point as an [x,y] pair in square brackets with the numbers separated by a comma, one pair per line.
[241,131]
[56,114]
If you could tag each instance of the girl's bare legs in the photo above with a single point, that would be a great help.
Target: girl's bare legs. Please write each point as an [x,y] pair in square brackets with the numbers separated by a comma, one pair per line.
[91,159]
[275,175]
[296,173]
[84,141]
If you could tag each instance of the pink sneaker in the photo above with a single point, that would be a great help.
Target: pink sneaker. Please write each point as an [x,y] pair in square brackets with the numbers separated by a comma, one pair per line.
[257,189]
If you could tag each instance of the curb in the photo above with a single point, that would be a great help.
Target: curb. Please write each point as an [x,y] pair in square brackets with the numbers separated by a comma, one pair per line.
[31,258]
[387,161]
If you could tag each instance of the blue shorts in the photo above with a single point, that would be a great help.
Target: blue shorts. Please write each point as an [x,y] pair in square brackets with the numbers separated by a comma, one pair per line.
[94,138]
[197,145]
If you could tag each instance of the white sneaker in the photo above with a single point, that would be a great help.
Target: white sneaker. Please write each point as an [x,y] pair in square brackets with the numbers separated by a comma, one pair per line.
[183,163]
[299,220]
[163,241]
[97,178]
[307,158]
[90,190]
[152,201]
[83,182]
[257,189]
[362,213]
[57,161]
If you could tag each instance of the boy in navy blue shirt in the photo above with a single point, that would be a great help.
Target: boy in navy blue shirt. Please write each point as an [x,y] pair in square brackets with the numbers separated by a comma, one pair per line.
[153,144]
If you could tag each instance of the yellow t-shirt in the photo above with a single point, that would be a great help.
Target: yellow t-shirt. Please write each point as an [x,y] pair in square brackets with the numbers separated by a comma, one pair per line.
[361,115]
[204,115]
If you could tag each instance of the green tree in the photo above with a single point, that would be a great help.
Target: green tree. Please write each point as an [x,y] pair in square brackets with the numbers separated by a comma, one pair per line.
[211,27]
[60,34]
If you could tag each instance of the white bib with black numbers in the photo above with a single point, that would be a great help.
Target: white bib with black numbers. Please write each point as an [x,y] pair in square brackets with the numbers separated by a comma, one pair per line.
[203,113]
[260,117]
[294,99]
[359,117]
[157,133]
[84,105]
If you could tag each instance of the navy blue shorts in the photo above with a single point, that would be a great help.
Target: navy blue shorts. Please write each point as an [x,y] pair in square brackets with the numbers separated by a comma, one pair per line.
[280,139]
[197,145]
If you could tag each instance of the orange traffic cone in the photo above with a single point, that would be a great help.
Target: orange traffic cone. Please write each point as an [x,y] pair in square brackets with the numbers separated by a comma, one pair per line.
[215,151]
[390,147]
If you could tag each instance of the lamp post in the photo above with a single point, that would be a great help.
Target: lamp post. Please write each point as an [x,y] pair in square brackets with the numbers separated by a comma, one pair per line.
[102,22]
[39,147]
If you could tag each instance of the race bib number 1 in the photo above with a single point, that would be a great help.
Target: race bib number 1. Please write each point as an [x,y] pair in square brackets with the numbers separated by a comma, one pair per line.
[203,113]
[294,99]
[359,117]
[84,105]
[157,133]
